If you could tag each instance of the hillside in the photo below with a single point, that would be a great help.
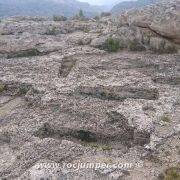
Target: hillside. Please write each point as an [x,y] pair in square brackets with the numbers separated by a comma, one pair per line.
[45,8]
[127,5]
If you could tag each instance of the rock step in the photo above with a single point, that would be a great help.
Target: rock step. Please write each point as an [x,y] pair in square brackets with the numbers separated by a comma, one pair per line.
[118,92]
[66,66]
[171,80]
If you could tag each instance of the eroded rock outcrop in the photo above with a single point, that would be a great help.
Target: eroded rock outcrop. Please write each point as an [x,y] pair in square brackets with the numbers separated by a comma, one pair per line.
[155,26]
[66,66]
[70,102]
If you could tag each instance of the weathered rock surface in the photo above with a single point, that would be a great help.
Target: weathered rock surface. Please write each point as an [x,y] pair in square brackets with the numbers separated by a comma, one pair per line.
[156,26]
[73,103]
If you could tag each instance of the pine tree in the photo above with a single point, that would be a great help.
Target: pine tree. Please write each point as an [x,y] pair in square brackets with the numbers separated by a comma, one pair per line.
[81,14]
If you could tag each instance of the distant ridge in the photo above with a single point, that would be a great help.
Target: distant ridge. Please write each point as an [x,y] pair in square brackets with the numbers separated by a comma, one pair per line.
[45,8]
[127,5]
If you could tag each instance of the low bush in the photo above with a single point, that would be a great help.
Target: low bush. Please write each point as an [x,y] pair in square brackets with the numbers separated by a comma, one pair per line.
[135,45]
[105,14]
[162,46]
[2,87]
[165,49]
[51,31]
[172,173]
[86,30]
[171,49]
[165,118]
[23,89]
[59,18]
[100,147]
[97,18]
[112,45]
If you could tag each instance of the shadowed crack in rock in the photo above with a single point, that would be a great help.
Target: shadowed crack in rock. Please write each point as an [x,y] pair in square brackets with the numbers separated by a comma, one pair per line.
[12,88]
[132,134]
[118,92]
[25,53]
[171,80]
[124,133]
[47,131]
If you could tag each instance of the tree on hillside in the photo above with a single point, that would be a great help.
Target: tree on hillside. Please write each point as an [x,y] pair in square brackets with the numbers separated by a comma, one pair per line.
[81,14]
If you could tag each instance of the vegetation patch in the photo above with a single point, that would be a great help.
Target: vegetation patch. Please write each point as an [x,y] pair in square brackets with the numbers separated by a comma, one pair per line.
[23,89]
[112,45]
[154,158]
[165,48]
[86,30]
[25,53]
[80,16]
[51,31]
[59,18]
[135,45]
[101,147]
[165,118]
[56,108]
[105,14]
[5,138]
[2,87]
[85,136]
[45,131]
[97,18]
[170,50]
[172,173]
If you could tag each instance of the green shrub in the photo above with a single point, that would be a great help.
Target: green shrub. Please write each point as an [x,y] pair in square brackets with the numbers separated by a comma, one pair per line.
[23,89]
[51,31]
[164,47]
[135,45]
[86,30]
[80,16]
[97,18]
[100,147]
[105,14]
[172,173]
[44,131]
[171,49]
[80,42]
[59,18]
[2,87]
[165,118]
[112,45]
[81,13]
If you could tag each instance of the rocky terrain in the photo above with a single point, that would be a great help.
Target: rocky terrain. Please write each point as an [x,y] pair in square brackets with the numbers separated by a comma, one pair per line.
[127,5]
[104,91]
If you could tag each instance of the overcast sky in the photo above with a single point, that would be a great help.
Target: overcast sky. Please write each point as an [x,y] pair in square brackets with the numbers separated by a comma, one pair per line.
[101,2]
